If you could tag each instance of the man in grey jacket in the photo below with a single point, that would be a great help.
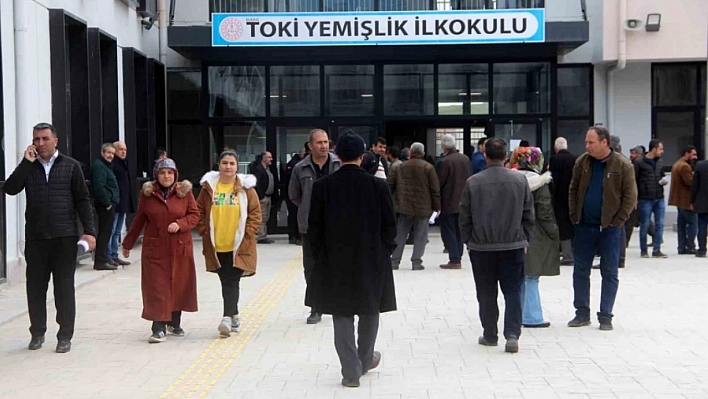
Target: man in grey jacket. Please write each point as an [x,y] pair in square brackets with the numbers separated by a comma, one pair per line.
[318,164]
[497,244]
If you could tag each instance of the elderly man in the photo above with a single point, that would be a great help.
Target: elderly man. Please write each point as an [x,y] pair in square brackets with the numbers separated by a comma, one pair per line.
[106,196]
[453,172]
[51,231]
[601,196]
[318,164]
[125,205]
[497,244]
[267,189]
[561,167]
[417,191]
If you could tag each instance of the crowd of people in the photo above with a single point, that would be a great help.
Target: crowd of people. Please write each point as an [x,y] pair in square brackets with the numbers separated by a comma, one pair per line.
[353,210]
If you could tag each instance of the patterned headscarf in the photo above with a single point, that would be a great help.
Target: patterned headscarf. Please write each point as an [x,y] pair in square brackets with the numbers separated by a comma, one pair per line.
[165,163]
[529,158]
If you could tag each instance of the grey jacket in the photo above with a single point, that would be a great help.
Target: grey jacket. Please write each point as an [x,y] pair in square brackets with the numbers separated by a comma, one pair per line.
[496,210]
[300,187]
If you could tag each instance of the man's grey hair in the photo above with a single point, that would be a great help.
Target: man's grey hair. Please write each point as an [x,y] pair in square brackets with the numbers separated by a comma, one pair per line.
[561,144]
[448,142]
[418,149]
[312,134]
[638,149]
[615,143]
[106,146]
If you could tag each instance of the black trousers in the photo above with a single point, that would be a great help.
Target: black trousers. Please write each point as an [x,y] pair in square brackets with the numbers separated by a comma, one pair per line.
[105,230]
[55,257]
[308,260]
[451,236]
[293,232]
[176,321]
[505,268]
[355,356]
[230,277]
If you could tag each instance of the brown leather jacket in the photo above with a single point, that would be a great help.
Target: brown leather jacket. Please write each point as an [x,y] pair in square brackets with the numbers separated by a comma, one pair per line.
[619,189]
[681,179]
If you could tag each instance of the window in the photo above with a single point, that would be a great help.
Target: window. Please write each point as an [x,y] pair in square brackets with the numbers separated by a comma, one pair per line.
[408,90]
[349,90]
[235,6]
[295,90]
[574,91]
[463,89]
[404,5]
[184,94]
[522,88]
[675,84]
[348,5]
[574,130]
[188,148]
[237,91]
[293,5]
[676,130]
[248,139]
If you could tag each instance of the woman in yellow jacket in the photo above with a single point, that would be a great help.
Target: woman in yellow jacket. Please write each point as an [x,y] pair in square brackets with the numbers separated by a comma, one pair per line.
[229,216]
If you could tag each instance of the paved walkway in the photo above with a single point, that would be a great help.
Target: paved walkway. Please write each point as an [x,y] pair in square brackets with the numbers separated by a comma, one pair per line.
[658,349]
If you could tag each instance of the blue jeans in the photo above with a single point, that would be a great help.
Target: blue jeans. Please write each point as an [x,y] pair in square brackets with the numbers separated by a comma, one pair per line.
[686,230]
[702,232]
[450,233]
[118,221]
[646,208]
[532,313]
[589,239]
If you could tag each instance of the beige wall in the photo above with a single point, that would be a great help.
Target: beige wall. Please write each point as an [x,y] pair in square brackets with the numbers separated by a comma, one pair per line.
[683,35]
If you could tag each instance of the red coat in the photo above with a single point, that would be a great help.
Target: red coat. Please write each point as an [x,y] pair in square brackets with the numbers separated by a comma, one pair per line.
[168,275]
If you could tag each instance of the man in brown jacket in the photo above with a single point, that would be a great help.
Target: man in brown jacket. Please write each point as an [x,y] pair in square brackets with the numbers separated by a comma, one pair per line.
[680,196]
[453,172]
[417,190]
[602,193]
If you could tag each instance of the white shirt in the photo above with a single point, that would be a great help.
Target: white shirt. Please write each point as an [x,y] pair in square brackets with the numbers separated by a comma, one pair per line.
[48,165]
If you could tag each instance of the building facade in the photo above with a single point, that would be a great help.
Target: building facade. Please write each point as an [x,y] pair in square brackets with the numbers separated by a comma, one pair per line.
[93,70]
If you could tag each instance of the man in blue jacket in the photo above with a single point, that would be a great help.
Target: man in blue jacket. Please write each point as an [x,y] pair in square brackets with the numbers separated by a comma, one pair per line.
[479,162]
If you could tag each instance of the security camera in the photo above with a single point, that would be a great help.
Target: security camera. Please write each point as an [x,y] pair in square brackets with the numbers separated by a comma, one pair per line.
[148,22]
[633,24]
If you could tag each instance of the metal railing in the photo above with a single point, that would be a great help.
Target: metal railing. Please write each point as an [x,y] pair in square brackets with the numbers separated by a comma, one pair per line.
[3,238]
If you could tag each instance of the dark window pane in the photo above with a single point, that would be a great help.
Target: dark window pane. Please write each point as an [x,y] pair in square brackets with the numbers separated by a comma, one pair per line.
[408,90]
[405,5]
[674,84]
[184,94]
[574,132]
[368,133]
[293,5]
[462,4]
[248,140]
[574,91]
[522,88]
[676,131]
[702,85]
[511,4]
[295,90]
[236,6]
[188,146]
[237,91]
[462,89]
[349,5]
[349,90]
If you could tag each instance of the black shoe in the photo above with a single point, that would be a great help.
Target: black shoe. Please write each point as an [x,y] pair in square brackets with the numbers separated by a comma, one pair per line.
[512,344]
[36,343]
[645,254]
[567,263]
[700,254]
[177,331]
[104,266]
[314,318]
[687,252]
[394,267]
[659,254]
[350,383]
[416,268]
[545,324]
[445,251]
[265,241]
[63,346]
[292,240]
[605,323]
[484,342]
[579,322]
[375,361]
[120,262]
[157,337]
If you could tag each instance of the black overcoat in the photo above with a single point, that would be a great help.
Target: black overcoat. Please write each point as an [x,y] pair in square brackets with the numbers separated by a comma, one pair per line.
[561,167]
[352,227]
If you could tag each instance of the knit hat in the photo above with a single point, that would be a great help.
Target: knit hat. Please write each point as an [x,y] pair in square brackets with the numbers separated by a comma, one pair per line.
[165,163]
[350,146]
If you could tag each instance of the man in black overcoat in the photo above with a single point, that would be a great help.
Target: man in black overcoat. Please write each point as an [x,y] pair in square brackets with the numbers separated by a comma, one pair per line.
[352,226]
[561,167]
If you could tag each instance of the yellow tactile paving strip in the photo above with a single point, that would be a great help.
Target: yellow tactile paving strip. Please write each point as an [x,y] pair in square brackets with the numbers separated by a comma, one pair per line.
[207,369]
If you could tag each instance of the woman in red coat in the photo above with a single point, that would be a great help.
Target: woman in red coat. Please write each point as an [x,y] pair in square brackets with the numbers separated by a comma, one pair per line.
[168,211]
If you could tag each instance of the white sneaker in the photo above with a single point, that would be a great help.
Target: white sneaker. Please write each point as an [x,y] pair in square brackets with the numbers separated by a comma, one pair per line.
[225,327]
[235,324]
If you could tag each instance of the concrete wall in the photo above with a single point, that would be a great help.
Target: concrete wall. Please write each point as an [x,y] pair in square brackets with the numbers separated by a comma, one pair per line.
[683,35]
[34,81]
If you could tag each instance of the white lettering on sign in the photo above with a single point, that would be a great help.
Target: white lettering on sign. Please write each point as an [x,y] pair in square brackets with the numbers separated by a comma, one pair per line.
[370,28]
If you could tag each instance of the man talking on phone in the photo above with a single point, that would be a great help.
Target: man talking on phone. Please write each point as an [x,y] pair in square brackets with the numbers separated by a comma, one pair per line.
[56,193]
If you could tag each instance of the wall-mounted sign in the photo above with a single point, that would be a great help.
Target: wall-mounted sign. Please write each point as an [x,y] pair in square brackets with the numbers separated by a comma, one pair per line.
[378,28]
